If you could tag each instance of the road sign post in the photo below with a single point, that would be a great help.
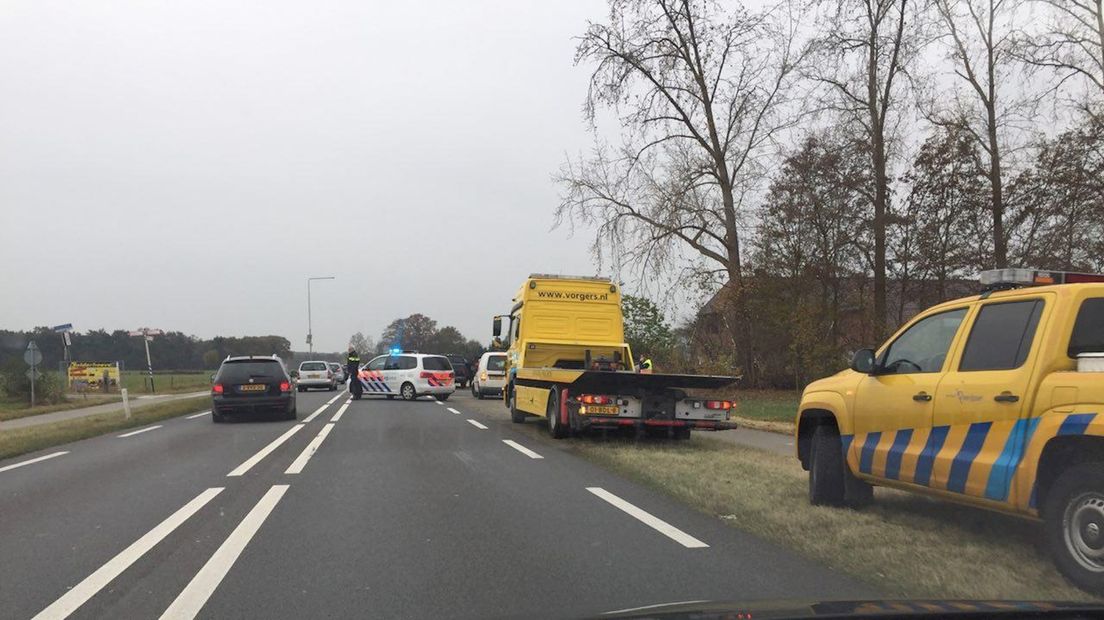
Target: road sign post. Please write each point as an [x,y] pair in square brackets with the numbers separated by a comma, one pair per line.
[33,357]
[147,335]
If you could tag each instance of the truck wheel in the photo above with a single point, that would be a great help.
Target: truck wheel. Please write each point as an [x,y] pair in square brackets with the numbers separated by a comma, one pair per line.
[1074,525]
[556,428]
[682,433]
[517,417]
[826,468]
[407,391]
[856,493]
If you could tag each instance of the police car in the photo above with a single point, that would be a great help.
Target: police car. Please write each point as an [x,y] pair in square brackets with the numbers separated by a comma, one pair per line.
[408,375]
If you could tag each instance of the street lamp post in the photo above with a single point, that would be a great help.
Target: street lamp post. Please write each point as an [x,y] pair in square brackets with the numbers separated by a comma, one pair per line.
[310,328]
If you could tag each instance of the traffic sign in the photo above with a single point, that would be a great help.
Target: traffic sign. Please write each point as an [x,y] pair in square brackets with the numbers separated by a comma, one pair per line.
[63,328]
[33,374]
[32,355]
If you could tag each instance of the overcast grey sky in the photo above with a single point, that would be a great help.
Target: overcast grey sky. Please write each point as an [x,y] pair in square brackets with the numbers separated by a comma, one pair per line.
[186,165]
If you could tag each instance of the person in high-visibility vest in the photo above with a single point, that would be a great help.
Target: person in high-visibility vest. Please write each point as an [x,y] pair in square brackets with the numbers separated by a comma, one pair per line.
[352,368]
[645,365]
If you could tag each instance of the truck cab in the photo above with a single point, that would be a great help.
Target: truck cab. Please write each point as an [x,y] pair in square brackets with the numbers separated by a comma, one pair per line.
[568,362]
[992,401]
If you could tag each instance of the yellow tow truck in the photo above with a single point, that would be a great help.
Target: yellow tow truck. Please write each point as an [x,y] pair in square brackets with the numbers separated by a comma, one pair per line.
[995,400]
[568,362]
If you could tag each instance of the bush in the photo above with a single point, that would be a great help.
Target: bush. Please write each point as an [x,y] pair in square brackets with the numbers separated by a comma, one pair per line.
[50,388]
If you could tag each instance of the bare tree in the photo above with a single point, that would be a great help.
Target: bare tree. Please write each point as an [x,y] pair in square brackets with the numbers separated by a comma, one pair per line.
[700,93]
[980,34]
[864,52]
[1071,43]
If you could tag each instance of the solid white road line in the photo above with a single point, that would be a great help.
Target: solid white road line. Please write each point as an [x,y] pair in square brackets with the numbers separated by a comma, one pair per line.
[646,607]
[454,411]
[33,461]
[265,451]
[522,449]
[198,415]
[440,402]
[340,412]
[79,595]
[139,431]
[477,424]
[301,461]
[650,520]
[318,412]
[203,585]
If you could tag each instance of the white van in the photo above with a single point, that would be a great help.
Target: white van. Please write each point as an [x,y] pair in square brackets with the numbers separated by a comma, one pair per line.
[490,377]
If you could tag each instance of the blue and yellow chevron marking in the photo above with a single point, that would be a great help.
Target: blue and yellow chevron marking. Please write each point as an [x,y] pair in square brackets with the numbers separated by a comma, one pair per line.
[979,459]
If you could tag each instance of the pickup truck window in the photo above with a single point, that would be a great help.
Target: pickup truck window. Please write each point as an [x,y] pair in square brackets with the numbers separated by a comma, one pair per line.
[1002,335]
[923,347]
[1088,331]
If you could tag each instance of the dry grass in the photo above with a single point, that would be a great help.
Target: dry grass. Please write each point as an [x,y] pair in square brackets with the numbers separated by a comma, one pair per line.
[13,410]
[905,544]
[23,440]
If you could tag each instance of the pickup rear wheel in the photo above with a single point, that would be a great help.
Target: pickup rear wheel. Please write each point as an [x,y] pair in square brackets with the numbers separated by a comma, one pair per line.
[826,468]
[556,427]
[1073,516]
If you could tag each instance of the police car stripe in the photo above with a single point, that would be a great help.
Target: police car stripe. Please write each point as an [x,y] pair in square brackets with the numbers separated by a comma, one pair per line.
[866,460]
[896,451]
[960,466]
[1076,424]
[1000,478]
[927,457]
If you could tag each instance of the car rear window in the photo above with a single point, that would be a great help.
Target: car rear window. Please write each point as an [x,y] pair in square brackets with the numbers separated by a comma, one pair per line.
[496,362]
[436,363]
[1088,331]
[244,370]
[313,366]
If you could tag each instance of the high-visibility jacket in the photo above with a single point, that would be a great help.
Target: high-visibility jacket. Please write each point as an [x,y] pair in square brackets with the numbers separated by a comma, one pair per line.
[646,366]
[352,363]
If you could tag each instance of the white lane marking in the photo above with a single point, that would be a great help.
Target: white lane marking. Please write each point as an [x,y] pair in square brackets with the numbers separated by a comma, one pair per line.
[33,461]
[650,520]
[140,431]
[198,415]
[477,424]
[301,461]
[318,412]
[195,595]
[522,449]
[265,451]
[657,606]
[340,412]
[439,403]
[79,595]
[454,411]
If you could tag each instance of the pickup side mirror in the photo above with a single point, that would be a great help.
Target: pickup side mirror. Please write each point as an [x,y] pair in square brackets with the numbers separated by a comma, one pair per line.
[863,361]
[497,330]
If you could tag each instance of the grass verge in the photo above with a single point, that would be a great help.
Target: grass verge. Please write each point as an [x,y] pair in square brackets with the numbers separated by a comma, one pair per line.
[23,440]
[10,410]
[907,545]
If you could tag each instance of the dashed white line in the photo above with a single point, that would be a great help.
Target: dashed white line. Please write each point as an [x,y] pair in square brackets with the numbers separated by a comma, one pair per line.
[439,402]
[650,520]
[195,595]
[340,412]
[454,411]
[476,424]
[318,412]
[79,595]
[33,461]
[301,461]
[265,451]
[522,449]
[198,415]
[139,431]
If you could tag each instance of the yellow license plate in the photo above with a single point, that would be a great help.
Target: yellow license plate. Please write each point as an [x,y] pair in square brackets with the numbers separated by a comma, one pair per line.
[602,409]
[254,388]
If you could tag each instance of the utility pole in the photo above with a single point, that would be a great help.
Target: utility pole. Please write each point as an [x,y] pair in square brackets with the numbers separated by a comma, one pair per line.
[310,327]
[147,335]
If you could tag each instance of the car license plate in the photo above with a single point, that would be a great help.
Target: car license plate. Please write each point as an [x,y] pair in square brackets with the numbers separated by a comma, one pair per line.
[254,387]
[602,409]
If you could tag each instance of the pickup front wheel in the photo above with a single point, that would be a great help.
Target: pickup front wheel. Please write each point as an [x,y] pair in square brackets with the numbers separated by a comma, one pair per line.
[826,468]
[1074,521]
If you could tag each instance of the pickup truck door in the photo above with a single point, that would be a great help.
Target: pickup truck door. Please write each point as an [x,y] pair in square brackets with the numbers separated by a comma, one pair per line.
[893,408]
[985,398]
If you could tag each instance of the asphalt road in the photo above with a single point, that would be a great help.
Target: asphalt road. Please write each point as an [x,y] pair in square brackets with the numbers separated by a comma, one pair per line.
[393,509]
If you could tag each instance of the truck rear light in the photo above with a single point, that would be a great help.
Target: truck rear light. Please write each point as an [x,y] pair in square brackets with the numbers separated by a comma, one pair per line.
[594,399]
[217,388]
[723,405]
[285,386]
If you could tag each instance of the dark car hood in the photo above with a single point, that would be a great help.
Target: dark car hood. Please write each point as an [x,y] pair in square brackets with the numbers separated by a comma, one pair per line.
[703,610]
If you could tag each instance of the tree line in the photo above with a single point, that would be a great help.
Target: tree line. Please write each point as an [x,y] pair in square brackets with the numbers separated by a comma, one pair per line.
[821,170]
[418,332]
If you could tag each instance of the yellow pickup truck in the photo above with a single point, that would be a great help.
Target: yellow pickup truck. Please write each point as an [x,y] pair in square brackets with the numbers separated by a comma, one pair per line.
[568,362]
[993,401]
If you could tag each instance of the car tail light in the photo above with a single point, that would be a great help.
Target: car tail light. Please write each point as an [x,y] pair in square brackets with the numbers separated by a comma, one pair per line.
[285,386]
[217,388]
[483,376]
[718,404]
[593,399]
